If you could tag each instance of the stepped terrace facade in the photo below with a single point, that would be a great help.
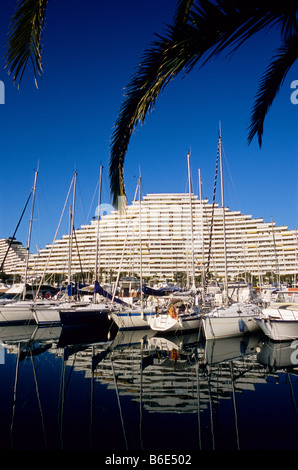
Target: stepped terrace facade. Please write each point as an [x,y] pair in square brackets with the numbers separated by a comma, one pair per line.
[157,233]
[12,254]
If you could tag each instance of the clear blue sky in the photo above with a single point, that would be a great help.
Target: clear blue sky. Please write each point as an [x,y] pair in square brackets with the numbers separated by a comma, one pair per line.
[90,51]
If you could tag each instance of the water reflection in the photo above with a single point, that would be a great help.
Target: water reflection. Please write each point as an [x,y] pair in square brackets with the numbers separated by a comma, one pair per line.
[136,390]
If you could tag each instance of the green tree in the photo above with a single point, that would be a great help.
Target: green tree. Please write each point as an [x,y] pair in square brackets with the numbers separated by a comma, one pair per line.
[180,277]
[201,30]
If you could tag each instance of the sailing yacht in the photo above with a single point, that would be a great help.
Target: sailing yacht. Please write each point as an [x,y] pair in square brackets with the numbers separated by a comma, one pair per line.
[68,311]
[229,319]
[46,316]
[181,315]
[94,311]
[20,311]
[136,315]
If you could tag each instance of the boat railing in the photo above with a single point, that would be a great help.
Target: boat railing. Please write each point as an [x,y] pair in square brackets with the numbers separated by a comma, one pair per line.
[288,313]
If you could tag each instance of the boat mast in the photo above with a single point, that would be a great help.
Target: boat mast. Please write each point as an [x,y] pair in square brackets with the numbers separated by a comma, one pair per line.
[98,219]
[140,241]
[202,234]
[53,242]
[29,235]
[124,246]
[275,254]
[223,216]
[71,232]
[191,223]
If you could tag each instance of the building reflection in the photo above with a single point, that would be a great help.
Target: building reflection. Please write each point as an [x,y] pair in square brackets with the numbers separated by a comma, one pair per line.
[173,374]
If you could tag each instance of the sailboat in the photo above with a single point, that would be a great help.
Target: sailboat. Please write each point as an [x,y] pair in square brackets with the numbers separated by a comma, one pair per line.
[181,315]
[68,311]
[135,316]
[48,315]
[229,319]
[95,311]
[20,311]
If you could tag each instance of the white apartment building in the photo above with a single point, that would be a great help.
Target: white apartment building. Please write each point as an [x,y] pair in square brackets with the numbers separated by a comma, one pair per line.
[161,238]
[12,254]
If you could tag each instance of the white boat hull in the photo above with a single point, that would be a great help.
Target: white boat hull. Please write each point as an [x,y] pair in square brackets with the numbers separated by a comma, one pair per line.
[165,323]
[133,319]
[224,327]
[234,320]
[16,312]
[277,329]
[280,321]
[47,316]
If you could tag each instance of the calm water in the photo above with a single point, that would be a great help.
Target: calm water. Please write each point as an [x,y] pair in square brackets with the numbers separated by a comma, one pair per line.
[75,389]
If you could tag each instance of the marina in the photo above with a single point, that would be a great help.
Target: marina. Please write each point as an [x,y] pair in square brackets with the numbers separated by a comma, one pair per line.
[147,307]
[131,365]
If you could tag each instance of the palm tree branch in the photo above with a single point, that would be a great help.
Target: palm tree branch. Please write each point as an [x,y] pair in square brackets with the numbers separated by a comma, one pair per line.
[25,36]
[159,65]
[270,84]
[179,50]
[238,20]
[199,33]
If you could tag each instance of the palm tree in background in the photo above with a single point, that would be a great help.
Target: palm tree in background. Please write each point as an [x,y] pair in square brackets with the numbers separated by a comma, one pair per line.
[201,30]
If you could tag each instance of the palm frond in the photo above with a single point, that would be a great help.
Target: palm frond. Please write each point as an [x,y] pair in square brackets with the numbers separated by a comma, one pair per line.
[24,42]
[180,50]
[201,31]
[182,12]
[270,84]
[237,21]
[140,96]
[159,65]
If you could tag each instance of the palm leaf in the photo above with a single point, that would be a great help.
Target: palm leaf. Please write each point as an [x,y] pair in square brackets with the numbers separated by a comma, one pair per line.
[237,21]
[24,42]
[182,12]
[161,62]
[159,65]
[201,31]
[270,84]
